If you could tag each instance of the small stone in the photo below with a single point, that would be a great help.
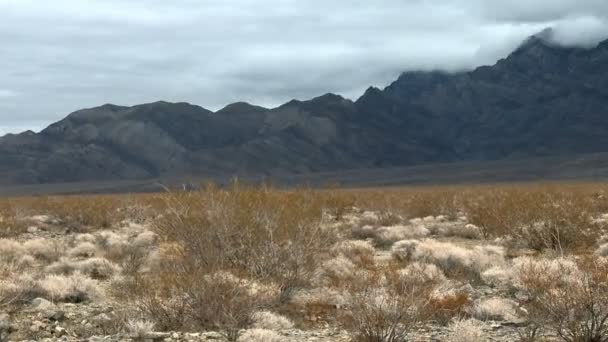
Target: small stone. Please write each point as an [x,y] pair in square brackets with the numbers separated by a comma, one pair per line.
[32,229]
[59,331]
[55,315]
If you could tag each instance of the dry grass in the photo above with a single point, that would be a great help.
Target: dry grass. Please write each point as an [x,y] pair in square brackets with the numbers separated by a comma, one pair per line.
[248,260]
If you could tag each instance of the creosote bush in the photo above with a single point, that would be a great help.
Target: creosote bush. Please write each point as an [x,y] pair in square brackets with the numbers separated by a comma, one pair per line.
[229,253]
[566,298]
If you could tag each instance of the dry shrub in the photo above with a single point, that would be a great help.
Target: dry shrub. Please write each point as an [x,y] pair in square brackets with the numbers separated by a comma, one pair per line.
[335,272]
[452,259]
[418,273]
[264,233]
[6,328]
[261,335]
[10,251]
[75,288]
[361,253]
[228,253]
[384,308]
[555,217]
[44,249]
[270,321]
[467,331]
[575,306]
[497,309]
[447,307]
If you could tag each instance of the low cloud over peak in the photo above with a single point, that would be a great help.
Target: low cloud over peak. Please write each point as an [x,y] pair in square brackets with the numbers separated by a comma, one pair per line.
[70,54]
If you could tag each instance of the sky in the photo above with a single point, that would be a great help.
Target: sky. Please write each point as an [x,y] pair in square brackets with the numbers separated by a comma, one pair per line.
[63,55]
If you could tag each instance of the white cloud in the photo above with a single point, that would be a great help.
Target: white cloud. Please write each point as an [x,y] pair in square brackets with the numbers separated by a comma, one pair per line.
[64,55]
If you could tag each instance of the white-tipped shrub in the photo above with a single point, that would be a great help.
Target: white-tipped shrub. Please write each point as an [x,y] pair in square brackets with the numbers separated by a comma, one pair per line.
[320,296]
[43,249]
[334,271]
[422,273]
[387,236]
[83,250]
[261,335]
[97,268]
[559,271]
[270,321]
[145,239]
[10,251]
[498,309]
[74,288]
[469,330]
[455,259]
[139,330]
[498,276]
[357,251]
[403,250]
[466,231]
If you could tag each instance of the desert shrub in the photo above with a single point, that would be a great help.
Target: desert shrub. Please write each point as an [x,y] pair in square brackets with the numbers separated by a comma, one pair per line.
[97,268]
[269,235]
[542,217]
[384,308]
[403,250]
[498,276]
[467,331]
[139,330]
[359,252]
[574,308]
[542,271]
[335,272]
[10,251]
[270,321]
[83,250]
[386,236]
[224,304]
[465,231]
[6,328]
[17,288]
[260,335]
[75,288]
[44,249]
[448,306]
[452,259]
[363,232]
[498,309]
[418,273]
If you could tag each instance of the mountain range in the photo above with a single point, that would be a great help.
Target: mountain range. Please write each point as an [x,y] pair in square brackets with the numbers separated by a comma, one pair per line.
[542,100]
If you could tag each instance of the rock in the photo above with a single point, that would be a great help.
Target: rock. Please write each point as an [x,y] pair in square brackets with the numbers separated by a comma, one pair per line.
[59,331]
[52,315]
[41,304]
[102,319]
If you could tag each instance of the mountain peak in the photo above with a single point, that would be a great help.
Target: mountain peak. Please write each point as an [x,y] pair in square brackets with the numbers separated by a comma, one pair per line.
[543,40]
[241,108]
[329,97]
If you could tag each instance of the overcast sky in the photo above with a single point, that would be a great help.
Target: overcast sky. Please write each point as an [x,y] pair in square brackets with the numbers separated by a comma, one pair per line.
[62,55]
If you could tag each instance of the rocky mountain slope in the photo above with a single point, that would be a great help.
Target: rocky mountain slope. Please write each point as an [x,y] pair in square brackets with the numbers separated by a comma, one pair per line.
[542,100]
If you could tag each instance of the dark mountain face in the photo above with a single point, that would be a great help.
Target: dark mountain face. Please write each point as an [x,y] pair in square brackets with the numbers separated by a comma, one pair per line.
[541,100]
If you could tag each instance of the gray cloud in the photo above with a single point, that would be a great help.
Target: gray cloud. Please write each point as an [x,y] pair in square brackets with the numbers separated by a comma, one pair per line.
[64,55]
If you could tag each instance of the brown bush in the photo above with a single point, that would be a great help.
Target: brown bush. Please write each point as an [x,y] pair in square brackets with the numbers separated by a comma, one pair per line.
[444,309]
[575,310]
[384,308]
[257,244]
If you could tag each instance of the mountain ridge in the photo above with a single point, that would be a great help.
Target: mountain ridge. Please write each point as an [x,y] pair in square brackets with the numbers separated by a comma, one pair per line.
[540,100]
